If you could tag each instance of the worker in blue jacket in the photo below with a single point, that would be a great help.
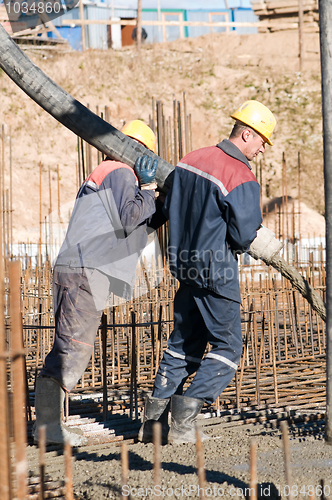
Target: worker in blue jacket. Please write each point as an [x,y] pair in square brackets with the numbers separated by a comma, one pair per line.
[105,237]
[214,213]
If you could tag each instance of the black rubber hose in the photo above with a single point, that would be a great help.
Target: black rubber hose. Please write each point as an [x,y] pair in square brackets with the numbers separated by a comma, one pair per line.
[71,113]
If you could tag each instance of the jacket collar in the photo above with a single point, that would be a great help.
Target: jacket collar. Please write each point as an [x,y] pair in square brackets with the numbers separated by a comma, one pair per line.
[231,150]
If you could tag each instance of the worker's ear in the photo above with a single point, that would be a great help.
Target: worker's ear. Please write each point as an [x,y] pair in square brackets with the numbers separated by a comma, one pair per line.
[246,134]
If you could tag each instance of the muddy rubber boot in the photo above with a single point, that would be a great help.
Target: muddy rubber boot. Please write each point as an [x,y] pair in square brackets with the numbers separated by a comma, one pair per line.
[155,410]
[49,398]
[184,411]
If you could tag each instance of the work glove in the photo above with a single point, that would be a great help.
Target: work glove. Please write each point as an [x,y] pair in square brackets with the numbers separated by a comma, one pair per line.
[145,168]
[265,246]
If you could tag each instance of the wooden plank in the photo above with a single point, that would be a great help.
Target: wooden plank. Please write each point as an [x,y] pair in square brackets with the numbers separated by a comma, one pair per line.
[291,10]
[308,28]
[170,23]
[139,25]
[276,4]
[81,12]
[30,31]
[300,50]
[293,19]
[285,22]
[261,12]
[258,6]
[18,374]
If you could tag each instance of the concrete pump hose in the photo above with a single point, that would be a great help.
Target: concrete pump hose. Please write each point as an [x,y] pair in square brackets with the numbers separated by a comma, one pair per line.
[301,284]
[72,114]
[266,247]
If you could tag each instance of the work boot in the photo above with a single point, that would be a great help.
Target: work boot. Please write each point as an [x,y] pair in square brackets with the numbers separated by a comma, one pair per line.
[49,398]
[155,410]
[184,411]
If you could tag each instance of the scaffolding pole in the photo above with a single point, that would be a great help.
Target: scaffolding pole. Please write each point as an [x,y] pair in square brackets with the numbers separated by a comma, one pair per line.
[325,25]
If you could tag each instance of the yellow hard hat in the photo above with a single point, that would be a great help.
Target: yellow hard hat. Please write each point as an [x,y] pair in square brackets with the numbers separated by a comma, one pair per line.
[141,132]
[258,117]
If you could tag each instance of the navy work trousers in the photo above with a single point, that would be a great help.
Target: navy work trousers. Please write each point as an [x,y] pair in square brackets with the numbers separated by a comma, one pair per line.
[201,317]
[76,324]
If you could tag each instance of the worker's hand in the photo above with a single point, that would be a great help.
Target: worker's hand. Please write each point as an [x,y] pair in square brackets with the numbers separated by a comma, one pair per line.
[265,246]
[145,168]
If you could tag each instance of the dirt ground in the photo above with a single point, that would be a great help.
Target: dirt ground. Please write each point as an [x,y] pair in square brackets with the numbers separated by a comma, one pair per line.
[217,72]
[97,469]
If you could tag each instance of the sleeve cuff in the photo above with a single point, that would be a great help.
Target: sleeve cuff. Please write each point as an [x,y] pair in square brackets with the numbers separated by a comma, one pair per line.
[152,185]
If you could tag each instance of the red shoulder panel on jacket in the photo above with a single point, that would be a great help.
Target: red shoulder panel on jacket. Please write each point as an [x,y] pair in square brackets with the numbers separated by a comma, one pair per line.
[217,164]
[105,168]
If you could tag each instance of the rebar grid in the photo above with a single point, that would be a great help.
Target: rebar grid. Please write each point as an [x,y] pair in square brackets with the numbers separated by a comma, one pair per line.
[283,358]
[279,327]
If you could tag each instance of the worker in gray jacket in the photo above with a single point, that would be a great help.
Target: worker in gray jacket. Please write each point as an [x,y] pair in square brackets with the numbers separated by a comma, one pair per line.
[106,235]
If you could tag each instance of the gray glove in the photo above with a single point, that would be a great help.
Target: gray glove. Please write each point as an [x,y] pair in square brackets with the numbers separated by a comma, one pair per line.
[265,246]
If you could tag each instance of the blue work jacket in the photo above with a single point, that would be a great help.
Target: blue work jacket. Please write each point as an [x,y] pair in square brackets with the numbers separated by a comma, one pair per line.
[214,213]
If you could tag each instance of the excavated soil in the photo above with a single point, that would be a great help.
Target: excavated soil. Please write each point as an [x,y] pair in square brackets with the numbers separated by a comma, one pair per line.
[217,72]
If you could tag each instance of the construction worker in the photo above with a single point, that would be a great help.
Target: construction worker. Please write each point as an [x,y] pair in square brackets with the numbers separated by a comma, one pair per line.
[214,213]
[106,234]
